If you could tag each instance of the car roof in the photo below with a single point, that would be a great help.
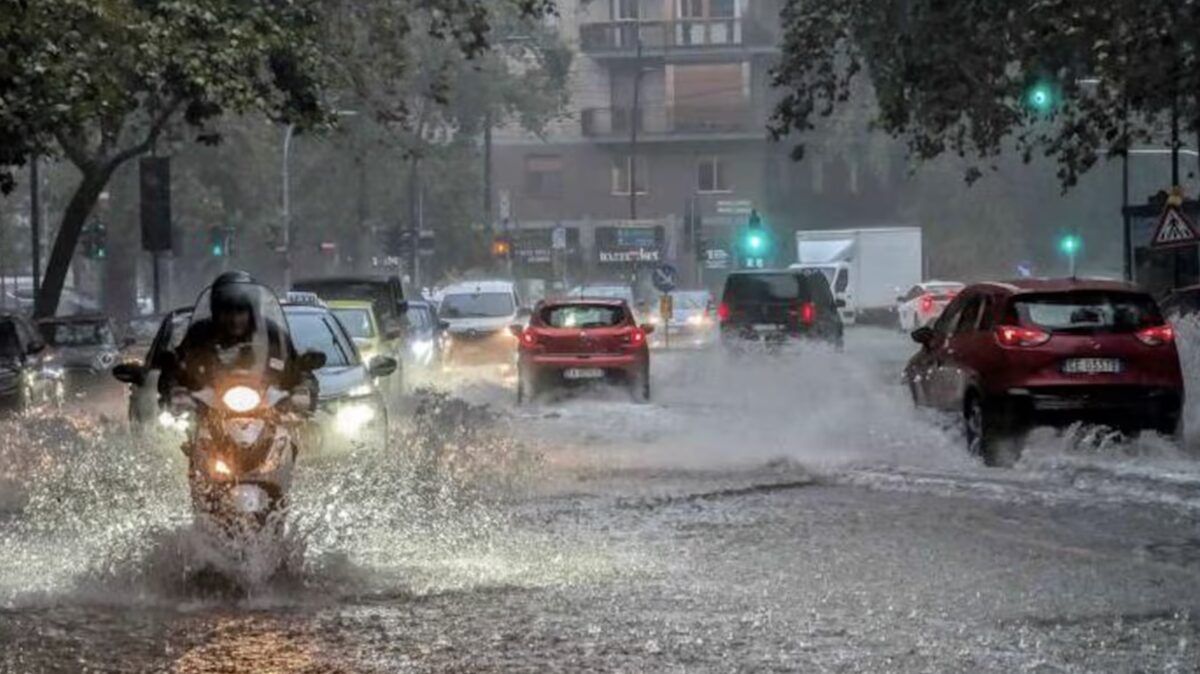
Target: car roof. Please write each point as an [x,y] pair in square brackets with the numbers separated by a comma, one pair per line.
[303,309]
[599,301]
[363,278]
[478,287]
[1058,285]
[351,304]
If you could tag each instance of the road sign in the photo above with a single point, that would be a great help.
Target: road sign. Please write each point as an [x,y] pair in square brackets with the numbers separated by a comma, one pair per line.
[558,239]
[505,205]
[1025,269]
[665,277]
[1174,229]
[735,207]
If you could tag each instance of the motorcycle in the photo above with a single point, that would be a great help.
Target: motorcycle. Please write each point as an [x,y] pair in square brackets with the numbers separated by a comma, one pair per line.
[243,427]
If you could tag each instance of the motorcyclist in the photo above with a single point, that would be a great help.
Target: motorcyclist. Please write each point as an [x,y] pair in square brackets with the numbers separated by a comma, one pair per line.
[229,335]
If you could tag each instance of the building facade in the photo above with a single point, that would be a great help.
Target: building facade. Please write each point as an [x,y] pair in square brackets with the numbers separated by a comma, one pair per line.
[664,148]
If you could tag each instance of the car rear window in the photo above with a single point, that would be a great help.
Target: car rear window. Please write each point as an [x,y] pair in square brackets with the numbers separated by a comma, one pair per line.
[583,316]
[1086,311]
[766,288]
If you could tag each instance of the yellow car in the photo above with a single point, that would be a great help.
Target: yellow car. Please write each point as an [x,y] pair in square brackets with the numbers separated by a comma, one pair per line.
[365,329]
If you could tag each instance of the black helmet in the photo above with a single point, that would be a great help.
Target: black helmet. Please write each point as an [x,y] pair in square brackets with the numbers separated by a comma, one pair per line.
[232,292]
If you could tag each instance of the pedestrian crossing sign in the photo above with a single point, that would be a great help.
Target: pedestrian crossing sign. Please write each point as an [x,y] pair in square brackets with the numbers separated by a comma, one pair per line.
[1174,229]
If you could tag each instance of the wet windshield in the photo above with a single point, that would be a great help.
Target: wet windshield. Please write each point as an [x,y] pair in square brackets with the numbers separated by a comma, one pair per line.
[356,321]
[314,331]
[78,334]
[477,305]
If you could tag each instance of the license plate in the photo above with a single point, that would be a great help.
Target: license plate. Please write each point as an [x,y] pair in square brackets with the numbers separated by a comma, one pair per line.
[583,373]
[1092,366]
[767,328]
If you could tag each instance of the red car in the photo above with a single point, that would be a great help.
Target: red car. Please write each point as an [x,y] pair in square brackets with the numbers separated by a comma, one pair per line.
[1009,356]
[569,341]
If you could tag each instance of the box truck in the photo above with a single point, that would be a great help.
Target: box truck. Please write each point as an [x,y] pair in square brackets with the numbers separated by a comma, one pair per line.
[867,268]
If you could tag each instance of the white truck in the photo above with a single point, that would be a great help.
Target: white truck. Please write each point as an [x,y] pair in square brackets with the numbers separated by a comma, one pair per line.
[867,268]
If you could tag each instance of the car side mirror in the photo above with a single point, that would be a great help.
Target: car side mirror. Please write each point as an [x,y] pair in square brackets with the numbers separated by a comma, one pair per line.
[924,335]
[382,366]
[402,307]
[443,325]
[393,333]
[648,328]
[901,299]
[524,312]
[311,360]
[36,348]
[516,329]
[839,303]
[129,373]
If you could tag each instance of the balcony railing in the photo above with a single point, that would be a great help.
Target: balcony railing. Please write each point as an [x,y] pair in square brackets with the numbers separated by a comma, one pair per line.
[614,123]
[681,34]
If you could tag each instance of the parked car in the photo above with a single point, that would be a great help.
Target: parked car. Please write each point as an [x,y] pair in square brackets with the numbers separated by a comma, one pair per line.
[478,315]
[85,348]
[569,341]
[924,302]
[1009,356]
[29,377]
[776,306]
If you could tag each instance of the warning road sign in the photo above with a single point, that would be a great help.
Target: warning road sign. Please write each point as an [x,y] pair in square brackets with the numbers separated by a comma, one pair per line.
[1174,229]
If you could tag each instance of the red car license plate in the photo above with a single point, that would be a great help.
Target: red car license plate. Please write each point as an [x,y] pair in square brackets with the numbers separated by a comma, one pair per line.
[583,373]
[1092,366]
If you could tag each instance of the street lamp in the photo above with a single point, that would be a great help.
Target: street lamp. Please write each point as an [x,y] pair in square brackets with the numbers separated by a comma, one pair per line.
[285,244]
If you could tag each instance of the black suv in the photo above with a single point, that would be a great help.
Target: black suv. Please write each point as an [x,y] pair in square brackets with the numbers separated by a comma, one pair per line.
[776,305]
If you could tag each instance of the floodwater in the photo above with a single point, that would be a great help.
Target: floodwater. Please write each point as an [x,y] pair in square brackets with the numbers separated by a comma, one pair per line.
[784,513]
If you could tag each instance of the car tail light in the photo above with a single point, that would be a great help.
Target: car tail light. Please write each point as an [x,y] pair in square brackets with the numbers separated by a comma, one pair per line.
[808,313]
[529,338]
[723,312]
[926,303]
[637,337]
[1014,335]
[1156,336]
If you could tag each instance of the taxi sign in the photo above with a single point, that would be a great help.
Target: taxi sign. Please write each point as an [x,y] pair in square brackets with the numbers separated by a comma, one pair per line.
[304,298]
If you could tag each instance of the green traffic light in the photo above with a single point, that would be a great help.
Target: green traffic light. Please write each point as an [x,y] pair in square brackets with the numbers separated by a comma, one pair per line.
[1069,245]
[217,250]
[1041,97]
[755,242]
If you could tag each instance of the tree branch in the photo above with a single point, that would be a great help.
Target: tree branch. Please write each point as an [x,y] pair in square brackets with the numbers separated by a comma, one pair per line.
[156,127]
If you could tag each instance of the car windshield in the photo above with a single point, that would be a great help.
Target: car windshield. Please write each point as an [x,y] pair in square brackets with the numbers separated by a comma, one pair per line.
[356,321]
[78,334]
[316,331]
[417,317]
[685,301]
[615,292]
[1086,311]
[478,305]
[583,316]
[764,288]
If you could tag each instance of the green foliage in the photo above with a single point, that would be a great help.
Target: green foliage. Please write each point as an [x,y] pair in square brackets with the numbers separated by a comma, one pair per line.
[956,77]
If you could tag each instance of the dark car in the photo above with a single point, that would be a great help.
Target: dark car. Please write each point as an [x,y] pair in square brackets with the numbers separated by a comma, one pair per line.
[571,341]
[28,375]
[1182,304]
[142,376]
[385,292]
[85,348]
[775,306]
[1010,356]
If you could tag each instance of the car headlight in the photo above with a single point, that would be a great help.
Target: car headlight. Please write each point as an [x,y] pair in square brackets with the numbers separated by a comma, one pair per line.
[241,399]
[361,390]
[174,422]
[696,319]
[422,347]
[353,417]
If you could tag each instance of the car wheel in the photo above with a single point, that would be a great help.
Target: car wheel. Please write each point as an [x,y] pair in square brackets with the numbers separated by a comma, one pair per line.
[995,440]
[639,385]
[526,386]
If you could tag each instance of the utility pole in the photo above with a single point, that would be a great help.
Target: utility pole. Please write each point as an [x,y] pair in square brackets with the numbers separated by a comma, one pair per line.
[35,223]
[1175,142]
[285,234]
[414,216]
[635,117]
[489,221]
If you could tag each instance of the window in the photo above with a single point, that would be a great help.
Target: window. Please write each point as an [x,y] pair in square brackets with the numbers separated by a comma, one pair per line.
[543,175]
[985,314]
[356,321]
[713,176]
[313,332]
[583,316]
[843,281]
[478,305]
[620,175]
[626,9]
[970,316]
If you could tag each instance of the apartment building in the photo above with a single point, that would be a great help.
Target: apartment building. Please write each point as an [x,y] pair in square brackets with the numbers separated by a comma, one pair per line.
[669,105]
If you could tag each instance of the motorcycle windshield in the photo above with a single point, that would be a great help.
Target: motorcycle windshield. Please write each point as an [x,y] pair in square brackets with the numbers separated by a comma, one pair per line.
[241,330]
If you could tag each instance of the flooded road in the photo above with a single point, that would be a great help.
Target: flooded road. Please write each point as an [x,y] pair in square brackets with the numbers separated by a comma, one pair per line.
[784,514]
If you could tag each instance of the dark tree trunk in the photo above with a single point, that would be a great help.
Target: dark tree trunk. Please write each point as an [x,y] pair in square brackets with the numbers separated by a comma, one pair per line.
[80,207]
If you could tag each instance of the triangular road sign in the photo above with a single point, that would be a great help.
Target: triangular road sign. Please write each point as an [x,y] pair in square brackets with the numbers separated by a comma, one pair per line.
[1174,229]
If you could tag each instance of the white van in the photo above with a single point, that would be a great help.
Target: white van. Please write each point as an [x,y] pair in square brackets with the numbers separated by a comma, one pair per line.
[479,314]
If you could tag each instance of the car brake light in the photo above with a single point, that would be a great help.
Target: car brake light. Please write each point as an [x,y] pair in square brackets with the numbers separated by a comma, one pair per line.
[808,313]
[926,303]
[637,337]
[1157,335]
[528,338]
[723,312]
[1013,335]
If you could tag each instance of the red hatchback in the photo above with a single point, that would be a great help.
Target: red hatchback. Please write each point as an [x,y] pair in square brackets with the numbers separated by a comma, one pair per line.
[582,340]
[1009,356]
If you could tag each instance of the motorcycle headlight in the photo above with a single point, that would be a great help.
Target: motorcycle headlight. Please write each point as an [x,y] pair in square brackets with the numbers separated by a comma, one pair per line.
[219,467]
[241,399]
[174,422]
[353,417]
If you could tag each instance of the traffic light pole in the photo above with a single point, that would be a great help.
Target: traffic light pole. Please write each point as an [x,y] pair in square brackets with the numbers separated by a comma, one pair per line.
[285,234]
[35,223]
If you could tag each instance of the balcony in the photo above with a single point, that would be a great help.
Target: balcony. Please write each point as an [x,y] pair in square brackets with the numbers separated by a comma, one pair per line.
[619,39]
[677,122]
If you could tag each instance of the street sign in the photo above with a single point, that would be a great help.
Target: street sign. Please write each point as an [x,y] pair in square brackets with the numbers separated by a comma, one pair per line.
[1025,269]
[665,278]
[735,207]
[558,239]
[1174,229]
[505,205]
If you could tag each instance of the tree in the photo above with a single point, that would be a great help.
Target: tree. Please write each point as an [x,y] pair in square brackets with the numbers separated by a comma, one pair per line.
[1073,80]
[98,81]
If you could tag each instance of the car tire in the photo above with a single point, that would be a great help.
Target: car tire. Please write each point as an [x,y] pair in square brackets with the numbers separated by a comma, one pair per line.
[996,440]
[639,385]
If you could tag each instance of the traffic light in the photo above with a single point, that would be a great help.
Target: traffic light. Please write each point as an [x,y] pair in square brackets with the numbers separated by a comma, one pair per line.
[754,243]
[94,240]
[1041,96]
[218,241]
[1070,244]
